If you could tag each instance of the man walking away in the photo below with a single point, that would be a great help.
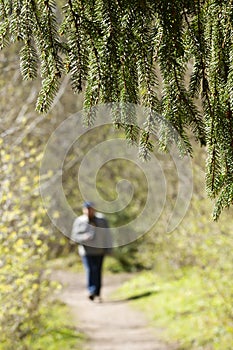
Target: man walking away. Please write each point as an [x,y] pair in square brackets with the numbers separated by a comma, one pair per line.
[92,232]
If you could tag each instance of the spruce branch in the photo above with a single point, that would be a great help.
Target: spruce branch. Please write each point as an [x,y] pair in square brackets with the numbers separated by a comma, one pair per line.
[76,60]
[111,49]
[4,34]
[28,61]
[49,89]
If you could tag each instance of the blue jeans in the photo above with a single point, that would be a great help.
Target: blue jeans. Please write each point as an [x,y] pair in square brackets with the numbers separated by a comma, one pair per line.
[93,266]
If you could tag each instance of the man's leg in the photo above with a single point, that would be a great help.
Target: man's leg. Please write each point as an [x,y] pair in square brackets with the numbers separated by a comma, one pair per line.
[98,275]
[88,265]
[93,266]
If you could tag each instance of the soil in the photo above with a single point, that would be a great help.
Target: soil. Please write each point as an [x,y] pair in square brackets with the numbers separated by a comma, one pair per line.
[109,325]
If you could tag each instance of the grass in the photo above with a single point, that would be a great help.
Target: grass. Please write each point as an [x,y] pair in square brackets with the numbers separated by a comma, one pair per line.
[57,330]
[186,307]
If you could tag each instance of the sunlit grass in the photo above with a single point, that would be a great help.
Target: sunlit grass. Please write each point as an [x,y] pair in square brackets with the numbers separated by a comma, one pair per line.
[185,306]
[57,330]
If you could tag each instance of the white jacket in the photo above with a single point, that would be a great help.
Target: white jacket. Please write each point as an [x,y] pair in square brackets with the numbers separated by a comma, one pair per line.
[94,238]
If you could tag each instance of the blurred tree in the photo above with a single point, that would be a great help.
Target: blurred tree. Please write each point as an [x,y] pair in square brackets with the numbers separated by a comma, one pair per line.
[26,236]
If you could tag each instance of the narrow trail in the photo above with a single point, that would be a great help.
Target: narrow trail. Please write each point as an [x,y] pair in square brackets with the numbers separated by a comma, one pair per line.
[112,324]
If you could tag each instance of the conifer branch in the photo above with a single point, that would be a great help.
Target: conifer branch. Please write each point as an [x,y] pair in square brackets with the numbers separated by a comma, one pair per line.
[111,48]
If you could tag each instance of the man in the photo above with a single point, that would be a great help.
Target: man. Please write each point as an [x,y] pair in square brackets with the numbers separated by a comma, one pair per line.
[91,231]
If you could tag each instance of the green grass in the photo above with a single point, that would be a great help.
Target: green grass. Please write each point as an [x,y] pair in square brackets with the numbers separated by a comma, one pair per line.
[57,330]
[186,307]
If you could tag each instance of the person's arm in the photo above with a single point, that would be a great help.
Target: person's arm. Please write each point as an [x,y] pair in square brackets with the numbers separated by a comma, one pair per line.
[82,232]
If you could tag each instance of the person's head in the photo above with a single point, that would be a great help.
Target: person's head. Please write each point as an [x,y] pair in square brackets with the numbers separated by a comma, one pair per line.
[88,209]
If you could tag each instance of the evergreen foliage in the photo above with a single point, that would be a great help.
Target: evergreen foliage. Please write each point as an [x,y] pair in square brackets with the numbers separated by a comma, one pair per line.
[114,50]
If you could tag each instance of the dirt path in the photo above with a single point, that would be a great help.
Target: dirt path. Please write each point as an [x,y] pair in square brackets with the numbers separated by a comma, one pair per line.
[112,324]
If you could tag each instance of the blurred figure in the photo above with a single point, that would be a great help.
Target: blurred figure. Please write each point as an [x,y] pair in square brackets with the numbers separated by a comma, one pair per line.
[91,231]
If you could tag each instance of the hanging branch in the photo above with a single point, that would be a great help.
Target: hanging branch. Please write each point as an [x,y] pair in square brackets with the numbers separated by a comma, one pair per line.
[112,49]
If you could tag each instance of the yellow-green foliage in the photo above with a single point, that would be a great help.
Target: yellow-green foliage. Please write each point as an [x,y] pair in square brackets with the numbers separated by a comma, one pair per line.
[23,248]
[26,238]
